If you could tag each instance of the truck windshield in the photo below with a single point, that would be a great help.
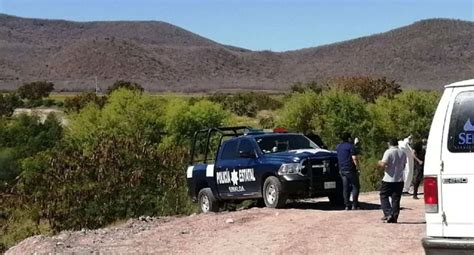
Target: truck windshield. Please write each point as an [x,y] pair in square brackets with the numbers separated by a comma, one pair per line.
[279,143]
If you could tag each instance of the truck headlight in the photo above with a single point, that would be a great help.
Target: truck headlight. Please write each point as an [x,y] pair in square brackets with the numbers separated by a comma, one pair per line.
[290,168]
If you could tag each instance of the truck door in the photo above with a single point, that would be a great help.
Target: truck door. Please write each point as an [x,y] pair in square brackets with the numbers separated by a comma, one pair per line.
[246,180]
[457,174]
[224,166]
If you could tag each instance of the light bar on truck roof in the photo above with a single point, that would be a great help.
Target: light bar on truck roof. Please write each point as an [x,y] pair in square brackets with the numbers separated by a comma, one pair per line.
[255,131]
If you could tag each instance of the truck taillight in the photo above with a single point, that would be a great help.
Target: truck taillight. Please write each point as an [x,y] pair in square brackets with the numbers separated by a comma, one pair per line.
[430,185]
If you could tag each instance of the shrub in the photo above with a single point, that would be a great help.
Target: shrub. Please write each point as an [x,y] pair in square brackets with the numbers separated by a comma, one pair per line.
[8,103]
[121,84]
[311,86]
[120,177]
[410,112]
[297,112]
[35,90]
[246,104]
[22,137]
[266,119]
[183,119]
[111,166]
[76,103]
[367,87]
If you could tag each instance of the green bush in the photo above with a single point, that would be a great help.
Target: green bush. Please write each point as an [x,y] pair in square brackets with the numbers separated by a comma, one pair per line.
[328,114]
[23,137]
[35,90]
[111,164]
[246,104]
[120,177]
[76,103]
[183,120]
[332,112]
[370,174]
[298,111]
[8,103]
[121,84]
[367,87]
[312,86]
[266,119]
[409,112]
[125,157]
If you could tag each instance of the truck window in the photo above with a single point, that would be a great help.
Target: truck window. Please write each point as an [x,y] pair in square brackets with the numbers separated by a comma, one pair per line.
[230,150]
[279,143]
[245,145]
[461,125]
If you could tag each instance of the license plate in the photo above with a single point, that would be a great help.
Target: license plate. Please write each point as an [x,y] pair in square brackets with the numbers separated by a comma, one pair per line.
[329,185]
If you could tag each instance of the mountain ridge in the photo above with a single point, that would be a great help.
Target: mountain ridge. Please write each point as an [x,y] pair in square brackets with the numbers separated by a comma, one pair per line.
[164,57]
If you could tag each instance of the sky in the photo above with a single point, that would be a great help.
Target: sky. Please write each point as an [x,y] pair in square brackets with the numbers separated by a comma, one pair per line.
[276,25]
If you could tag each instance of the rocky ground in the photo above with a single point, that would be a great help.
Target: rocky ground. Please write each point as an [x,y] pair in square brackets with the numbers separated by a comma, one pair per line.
[306,227]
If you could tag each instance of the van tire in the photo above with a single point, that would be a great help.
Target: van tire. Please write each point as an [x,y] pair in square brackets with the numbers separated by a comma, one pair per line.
[207,201]
[273,193]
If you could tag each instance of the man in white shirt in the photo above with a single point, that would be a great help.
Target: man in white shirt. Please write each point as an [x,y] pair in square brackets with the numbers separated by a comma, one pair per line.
[393,164]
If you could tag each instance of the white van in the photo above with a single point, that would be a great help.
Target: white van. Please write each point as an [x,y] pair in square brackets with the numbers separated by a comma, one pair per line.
[449,173]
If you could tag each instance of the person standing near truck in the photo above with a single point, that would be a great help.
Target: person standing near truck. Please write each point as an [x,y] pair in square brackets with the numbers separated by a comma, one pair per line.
[419,156]
[347,157]
[393,164]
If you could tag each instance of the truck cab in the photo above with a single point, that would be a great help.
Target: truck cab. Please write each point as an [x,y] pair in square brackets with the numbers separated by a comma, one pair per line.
[449,173]
[270,165]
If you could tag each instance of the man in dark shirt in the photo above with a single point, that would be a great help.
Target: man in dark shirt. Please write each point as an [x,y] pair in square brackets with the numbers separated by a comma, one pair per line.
[419,151]
[348,168]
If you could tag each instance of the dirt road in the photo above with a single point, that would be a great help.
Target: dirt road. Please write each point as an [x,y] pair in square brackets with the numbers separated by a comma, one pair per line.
[312,227]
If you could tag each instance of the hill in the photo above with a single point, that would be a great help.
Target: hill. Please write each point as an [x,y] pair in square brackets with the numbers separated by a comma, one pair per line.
[163,57]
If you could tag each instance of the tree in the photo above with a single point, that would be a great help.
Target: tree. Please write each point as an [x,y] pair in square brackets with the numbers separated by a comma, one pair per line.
[35,90]
[183,119]
[8,103]
[367,87]
[126,85]
[410,112]
[297,112]
[126,114]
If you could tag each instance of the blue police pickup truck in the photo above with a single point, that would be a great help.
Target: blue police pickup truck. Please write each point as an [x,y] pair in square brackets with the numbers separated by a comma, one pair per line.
[238,163]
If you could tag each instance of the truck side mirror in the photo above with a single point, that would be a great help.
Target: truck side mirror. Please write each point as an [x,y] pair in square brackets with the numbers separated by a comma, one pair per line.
[247,154]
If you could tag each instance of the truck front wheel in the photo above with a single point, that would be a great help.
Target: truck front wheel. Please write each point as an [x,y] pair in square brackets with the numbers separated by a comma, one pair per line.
[273,194]
[207,201]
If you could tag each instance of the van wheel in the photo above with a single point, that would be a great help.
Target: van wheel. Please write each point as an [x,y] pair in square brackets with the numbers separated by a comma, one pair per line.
[273,194]
[207,201]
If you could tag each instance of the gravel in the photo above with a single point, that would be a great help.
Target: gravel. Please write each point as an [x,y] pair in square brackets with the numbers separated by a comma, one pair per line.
[310,226]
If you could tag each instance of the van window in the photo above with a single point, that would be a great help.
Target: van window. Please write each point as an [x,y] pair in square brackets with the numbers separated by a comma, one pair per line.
[230,150]
[461,126]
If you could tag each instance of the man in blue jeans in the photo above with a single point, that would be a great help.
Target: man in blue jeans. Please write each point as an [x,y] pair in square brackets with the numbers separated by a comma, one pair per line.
[393,164]
[347,157]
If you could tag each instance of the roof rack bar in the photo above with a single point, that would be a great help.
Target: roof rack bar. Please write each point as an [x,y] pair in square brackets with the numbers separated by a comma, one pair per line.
[221,130]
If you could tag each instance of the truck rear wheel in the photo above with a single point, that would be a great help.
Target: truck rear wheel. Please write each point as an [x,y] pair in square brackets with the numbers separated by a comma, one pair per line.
[207,201]
[273,194]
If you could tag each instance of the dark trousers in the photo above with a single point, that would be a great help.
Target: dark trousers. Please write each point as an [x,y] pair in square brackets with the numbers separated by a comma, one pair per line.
[418,177]
[393,191]
[350,182]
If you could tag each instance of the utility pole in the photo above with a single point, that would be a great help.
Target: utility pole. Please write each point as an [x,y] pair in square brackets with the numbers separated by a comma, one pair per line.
[98,91]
